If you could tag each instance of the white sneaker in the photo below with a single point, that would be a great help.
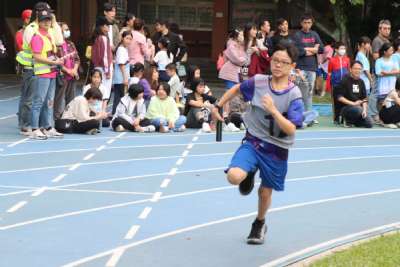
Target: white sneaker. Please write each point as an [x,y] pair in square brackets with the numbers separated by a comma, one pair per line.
[120,128]
[206,127]
[26,132]
[398,125]
[181,129]
[230,127]
[52,133]
[38,134]
[149,129]
[390,126]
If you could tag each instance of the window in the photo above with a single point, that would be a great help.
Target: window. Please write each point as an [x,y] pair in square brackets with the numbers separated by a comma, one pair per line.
[188,14]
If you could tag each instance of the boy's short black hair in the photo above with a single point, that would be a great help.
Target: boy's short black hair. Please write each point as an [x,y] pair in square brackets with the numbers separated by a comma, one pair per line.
[108,7]
[171,66]
[165,87]
[161,22]
[94,93]
[135,90]
[339,44]
[306,16]
[137,67]
[353,62]
[290,49]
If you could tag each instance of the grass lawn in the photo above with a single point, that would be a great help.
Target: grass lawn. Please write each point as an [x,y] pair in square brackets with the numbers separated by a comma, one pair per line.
[380,252]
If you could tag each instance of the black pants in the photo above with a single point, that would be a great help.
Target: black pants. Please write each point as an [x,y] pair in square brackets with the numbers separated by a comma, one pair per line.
[73,126]
[236,118]
[119,92]
[353,115]
[390,115]
[127,125]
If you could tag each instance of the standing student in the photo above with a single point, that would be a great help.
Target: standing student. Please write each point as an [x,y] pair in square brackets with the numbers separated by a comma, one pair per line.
[139,48]
[281,35]
[78,118]
[131,111]
[110,11]
[45,67]
[65,92]
[127,25]
[364,49]
[19,35]
[163,111]
[386,69]
[163,58]
[309,45]
[122,69]
[269,133]
[102,56]
[339,65]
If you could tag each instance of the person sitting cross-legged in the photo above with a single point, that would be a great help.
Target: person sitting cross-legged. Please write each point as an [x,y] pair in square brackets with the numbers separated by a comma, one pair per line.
[352,98]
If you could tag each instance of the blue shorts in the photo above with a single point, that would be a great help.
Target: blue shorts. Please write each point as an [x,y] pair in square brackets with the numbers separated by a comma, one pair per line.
[272,171]
[229,84]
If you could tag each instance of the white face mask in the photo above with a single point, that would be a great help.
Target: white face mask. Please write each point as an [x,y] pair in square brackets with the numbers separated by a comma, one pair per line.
[67,34]
[96,106]
[342,52]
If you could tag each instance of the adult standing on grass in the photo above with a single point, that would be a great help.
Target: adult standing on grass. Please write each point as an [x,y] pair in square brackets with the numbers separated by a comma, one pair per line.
[309,45]
[276,109]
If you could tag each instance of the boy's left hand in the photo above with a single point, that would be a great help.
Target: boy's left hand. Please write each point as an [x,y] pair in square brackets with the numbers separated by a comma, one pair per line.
[268,104]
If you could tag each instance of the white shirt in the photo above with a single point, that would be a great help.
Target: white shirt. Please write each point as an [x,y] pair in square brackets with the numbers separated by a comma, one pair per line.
[78,109]
[101,88]
[133,80]
[175,85]
[162,59]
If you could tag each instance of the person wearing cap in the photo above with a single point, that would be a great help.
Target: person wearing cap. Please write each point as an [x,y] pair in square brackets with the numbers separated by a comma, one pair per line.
[24,58]
[26,18]
[102,55]
[113,32]
[45,67]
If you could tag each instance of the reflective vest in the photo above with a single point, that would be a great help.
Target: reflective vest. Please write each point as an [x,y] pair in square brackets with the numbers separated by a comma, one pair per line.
[48,51]
[25,57]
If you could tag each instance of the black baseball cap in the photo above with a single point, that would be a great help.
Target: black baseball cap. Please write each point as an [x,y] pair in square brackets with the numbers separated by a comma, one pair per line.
[40,6]
[44,14]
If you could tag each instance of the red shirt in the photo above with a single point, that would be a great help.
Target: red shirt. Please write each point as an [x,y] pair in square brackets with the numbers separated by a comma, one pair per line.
[19,40]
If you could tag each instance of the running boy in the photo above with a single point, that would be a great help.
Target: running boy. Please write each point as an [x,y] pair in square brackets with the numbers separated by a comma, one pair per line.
[276,109]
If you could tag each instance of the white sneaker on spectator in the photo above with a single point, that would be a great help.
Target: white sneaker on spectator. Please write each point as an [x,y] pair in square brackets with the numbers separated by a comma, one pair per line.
[242,126]
[398,125]
[38,134]
[390,126]
[206,127]
[26,132]
[181,129]
[149,129]
[92,131]
[230,127]
[52,133]
[120,128]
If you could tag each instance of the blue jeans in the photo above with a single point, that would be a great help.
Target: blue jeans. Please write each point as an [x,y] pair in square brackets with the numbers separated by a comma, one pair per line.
[42,105]
[310,77]
[310,116]
[373,99]
[157,122]
[29,84]
[229,84]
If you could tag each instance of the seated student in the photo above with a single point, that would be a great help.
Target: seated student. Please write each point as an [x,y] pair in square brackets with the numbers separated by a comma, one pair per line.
[194,72]
[96,82]
[136,73]
[199,106]
[163,111]
[234,121]
[131,111]
[351,98]
[77,115]
[174,82]
[390,112]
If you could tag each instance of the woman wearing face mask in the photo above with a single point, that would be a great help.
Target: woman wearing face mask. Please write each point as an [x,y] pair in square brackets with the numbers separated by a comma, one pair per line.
[65,91]
[77,115]
[339,65]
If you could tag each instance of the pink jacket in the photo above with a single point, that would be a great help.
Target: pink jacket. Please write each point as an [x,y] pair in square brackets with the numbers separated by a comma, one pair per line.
[235,58]
[138,49]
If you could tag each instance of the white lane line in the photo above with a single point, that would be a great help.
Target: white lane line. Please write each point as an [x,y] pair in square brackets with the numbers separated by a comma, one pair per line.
[120,135]
[18,142]
[100,148]
[190,146]
[75,166]
[10,86]
[156,196]
[9,99]
[165,183]
[59,178]
[17,206]
[132,232]
[39,192]
[110,141]
[8,117]
[112,262]
[179,161]
[145,213]
[185,153]
[229,219]
[173,171]
[89,156]
[326,244]
[16,193]
[195,139]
